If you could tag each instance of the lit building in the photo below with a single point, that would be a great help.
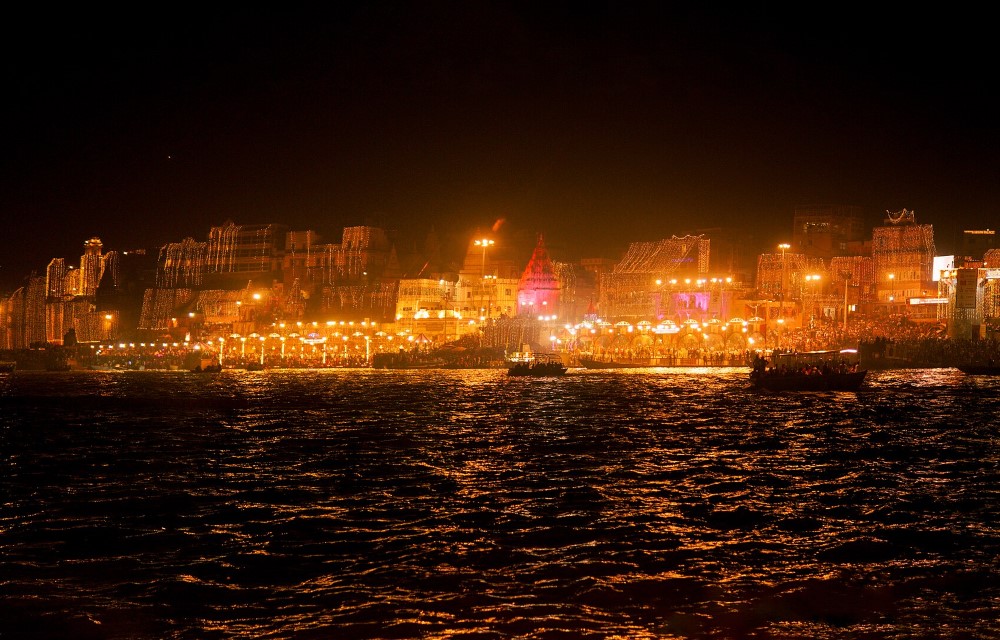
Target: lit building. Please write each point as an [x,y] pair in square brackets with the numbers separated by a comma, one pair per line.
[357,278]
[181,264]
[577,290]
[13,326]
[4,323]
[825,231]
[55,279]
[854,276]
[54,326]
[975,243]
[654,279]
[34,311]
[430,308]
[238,253]
[903,252]
[91,266]
[538,289]
[74,282]
[488,280]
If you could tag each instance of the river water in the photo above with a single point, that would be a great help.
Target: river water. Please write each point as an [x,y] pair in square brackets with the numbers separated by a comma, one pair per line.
[673,503]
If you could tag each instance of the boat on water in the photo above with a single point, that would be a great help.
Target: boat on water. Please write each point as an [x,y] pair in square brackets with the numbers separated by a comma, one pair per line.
[212,368]
[538,366]
[7,366]
[980,369]
[835,370]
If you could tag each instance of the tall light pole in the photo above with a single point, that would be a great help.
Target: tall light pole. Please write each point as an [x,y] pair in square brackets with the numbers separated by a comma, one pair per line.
[784,246]
[484,243]
[892,291]
[811,291]
[847,279]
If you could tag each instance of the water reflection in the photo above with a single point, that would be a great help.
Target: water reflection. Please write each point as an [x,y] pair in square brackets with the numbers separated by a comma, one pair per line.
[434,504]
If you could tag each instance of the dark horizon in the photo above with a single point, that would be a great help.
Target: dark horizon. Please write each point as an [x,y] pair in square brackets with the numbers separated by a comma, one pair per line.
[597,126]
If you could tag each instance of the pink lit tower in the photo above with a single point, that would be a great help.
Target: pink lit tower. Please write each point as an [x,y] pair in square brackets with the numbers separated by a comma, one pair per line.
[538,289]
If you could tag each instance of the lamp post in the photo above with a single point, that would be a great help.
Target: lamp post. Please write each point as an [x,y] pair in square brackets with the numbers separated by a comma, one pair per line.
[892,291]
[784,246]
[847,279]
[811,281]
[484,243]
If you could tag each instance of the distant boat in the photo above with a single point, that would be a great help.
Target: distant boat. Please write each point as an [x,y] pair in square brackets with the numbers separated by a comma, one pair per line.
[210,368]
[254,366]
[980,369]
[7,366]
[538,366]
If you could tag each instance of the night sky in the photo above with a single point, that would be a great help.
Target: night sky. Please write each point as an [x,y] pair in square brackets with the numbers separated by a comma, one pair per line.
[595,123]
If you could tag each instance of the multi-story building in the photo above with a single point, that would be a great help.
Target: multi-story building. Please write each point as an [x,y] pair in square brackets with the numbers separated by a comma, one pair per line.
[903,254]
[429,307]
[974,243]
[181,264]
[91,266]
[825,231]
[237,254]
[55,279]
[538,290]
[657,280]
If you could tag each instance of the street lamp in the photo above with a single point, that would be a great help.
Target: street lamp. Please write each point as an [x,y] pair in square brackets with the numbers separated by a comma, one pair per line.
[784,246]
[892,291]
[847,279]
[484,243]
[811,291]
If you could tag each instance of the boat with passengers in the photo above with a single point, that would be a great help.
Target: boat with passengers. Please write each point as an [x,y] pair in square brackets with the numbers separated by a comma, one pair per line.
[832,370]
[539,365]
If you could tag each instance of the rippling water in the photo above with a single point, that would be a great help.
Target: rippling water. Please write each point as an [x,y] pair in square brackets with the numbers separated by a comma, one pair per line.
[463,504]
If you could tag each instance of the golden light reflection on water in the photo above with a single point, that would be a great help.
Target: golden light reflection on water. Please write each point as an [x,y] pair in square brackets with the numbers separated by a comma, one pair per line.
[673,503]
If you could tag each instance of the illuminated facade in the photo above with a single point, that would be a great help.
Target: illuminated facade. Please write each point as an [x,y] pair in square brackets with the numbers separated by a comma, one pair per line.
[825,231]
[991,290]
[430,308]
[237,253]
[160,308]
[903,253]
[13,328]
[784,276]
[858,273]
[975,243]
[181,264]
[91,266]
[538,289]
[55,279]
[34,311]
[634,289]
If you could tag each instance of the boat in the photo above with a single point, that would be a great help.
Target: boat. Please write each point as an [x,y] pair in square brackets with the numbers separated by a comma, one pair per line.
[538,366]
[980,369]
[254,366]
[7,366]
[207,366]
[835,370]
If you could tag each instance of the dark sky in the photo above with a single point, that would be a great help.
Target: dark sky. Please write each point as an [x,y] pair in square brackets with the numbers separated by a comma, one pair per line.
[595,123]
